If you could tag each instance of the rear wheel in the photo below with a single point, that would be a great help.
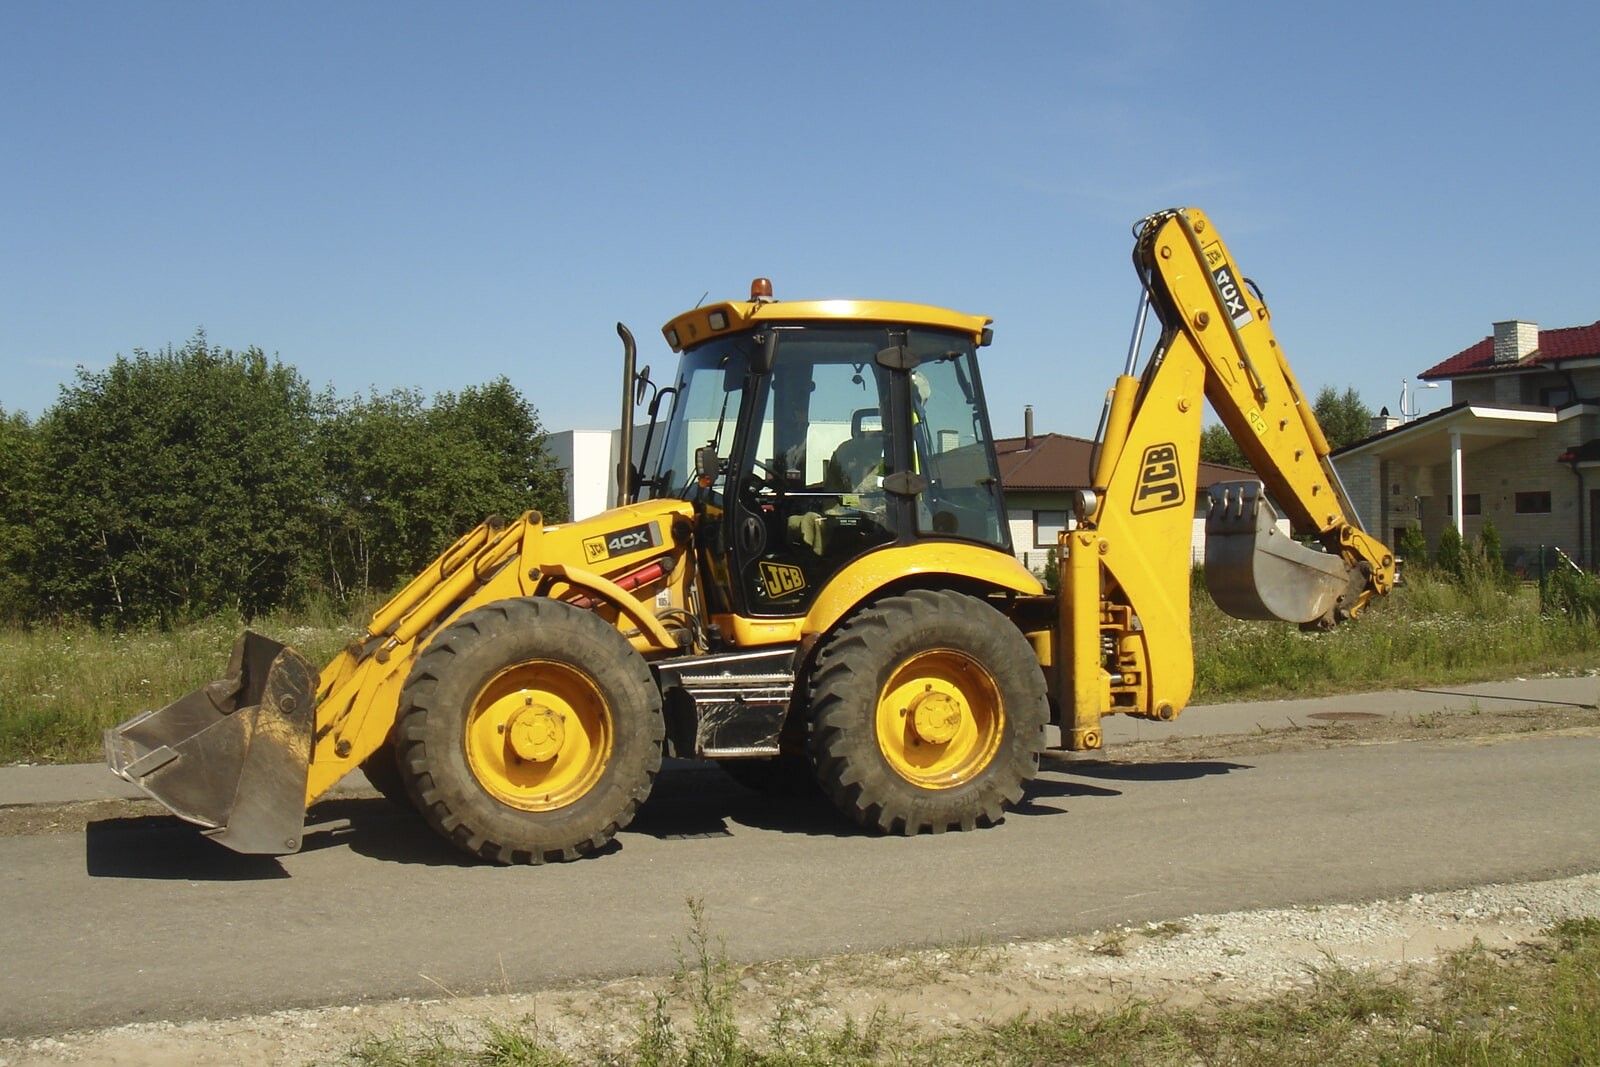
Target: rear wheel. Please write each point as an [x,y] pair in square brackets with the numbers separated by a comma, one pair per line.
[929,713]
[529,730]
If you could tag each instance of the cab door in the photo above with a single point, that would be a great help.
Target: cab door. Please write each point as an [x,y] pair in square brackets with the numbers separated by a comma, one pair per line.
[809,493]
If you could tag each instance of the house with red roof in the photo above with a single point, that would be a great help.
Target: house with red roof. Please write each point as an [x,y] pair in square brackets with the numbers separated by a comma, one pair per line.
[1518,446]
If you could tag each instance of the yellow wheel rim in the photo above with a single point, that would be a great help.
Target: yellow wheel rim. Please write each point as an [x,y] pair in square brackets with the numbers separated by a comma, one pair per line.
[940,719]
[539,735]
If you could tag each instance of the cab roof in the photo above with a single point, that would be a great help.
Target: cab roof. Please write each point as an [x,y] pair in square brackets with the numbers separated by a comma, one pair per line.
[715,320]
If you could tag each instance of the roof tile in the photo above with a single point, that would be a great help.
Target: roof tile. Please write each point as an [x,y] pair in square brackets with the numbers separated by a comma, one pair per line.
[1571,342]
[1059,462]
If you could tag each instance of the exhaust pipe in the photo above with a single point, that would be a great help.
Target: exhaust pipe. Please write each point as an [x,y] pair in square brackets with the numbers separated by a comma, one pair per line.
[233,755]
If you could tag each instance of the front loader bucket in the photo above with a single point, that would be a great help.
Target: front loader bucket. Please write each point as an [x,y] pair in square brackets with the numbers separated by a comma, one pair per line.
[232,756]
[1254,570]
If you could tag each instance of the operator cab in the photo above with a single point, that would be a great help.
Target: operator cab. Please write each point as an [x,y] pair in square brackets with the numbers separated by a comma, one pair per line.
[812,432]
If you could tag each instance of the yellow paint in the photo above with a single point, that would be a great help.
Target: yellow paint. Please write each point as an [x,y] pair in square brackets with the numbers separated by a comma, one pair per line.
[930,564]
[939,719]
[698,326]
[359,696]
[539,735]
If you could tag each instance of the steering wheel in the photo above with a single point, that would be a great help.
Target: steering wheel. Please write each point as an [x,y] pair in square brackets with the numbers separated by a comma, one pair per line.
[771,484]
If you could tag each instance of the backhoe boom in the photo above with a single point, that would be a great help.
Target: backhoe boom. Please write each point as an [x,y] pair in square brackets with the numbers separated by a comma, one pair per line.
[1124,642]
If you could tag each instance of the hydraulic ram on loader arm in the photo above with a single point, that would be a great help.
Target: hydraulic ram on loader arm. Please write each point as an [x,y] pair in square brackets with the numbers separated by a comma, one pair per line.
[1123,634]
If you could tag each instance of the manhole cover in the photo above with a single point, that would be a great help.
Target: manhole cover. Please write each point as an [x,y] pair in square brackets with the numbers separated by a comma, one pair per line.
[1344,716]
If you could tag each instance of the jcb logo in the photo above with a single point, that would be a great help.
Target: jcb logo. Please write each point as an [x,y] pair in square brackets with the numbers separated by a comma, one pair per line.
[781,579]
[620,542]
[1160,481]
[1227,286]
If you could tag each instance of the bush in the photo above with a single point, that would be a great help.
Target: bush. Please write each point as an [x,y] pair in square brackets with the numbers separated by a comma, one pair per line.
[189,482]
[1413,548]
[1451,555]
[1571,593]
[1489,558]
[175,485]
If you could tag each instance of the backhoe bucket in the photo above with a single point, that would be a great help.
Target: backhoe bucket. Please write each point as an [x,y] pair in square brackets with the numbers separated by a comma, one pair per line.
[233,755]
[1254,570]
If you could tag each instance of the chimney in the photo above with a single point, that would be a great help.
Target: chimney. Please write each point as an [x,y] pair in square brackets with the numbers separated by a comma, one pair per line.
[1515,341]
[1382,422]
[1027,426]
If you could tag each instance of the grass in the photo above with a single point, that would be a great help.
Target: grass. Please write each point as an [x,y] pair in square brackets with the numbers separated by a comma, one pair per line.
[1530,1006]
[1431,631]
[60,687]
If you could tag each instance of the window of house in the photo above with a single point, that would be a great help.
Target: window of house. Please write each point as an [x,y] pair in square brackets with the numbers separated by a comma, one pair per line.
[1533,503]
[1471,504]
[1047,527]
[1555,396]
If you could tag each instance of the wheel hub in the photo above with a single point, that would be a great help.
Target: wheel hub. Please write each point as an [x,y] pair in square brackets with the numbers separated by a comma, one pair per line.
[539,735]
[536,732]
[935,716]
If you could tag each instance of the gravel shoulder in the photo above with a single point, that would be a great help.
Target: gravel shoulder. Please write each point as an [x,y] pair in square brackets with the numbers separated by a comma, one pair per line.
[1202,959]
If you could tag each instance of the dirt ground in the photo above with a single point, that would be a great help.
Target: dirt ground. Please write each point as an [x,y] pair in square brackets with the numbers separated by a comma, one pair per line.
[1200,959]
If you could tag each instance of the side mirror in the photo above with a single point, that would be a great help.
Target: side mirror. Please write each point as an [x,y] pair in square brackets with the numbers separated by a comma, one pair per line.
[641,383]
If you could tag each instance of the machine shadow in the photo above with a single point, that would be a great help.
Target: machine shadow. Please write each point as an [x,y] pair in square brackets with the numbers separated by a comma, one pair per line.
[690,800]
[379,829]
[166,848]
[699,800]
[1170,771]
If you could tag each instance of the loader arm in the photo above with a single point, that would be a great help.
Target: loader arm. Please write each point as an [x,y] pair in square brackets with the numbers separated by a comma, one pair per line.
[1124,642]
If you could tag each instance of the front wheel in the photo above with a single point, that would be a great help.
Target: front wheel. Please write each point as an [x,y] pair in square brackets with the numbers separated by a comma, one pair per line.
[929,714]
[530,730]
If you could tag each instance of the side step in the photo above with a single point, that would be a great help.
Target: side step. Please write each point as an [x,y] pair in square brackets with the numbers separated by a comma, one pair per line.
[233,755]
[1254,570]
[728,706]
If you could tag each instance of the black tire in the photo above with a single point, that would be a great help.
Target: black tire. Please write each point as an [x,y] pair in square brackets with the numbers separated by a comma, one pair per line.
[382,770]
[929,713]
[529,731]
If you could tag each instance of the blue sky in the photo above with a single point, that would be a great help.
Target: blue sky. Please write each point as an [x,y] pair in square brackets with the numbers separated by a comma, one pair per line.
[418,195]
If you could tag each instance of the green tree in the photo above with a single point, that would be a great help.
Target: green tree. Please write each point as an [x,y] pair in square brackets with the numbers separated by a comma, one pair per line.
[19,481]
[405,479]
[1451,556]
[1490,557]
[1343,417]
[176,484]
[1218,446]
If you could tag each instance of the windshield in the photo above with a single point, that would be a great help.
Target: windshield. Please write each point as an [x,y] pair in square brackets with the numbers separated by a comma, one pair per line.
[705,410]
[832,423]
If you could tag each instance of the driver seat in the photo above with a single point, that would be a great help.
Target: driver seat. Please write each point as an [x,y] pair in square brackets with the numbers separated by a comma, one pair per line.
[857,463]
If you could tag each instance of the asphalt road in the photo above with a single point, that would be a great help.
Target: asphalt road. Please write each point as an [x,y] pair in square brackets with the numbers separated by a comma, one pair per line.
[140,918]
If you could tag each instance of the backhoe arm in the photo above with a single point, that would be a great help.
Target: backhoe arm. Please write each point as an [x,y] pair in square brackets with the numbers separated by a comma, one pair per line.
[1205,303]
[1123,640]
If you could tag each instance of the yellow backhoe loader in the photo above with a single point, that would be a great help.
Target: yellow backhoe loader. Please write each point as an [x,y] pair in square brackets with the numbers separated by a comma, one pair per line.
[812,568]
